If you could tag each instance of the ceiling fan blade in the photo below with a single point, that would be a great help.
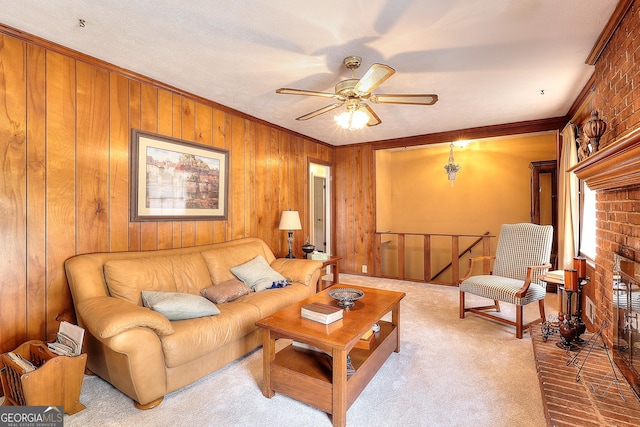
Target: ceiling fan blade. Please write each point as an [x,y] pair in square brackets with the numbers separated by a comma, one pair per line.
[373,117]
[319,111]
[375,75]
[418,99]
[289,91]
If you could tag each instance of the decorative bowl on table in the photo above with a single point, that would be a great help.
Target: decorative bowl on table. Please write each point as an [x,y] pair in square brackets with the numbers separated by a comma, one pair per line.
[346,297]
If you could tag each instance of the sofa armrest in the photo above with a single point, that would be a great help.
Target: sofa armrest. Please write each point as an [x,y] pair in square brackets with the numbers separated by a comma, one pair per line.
[297,270]
[106,317]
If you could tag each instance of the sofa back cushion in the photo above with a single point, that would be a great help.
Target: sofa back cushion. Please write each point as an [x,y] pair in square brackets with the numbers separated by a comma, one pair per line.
[221,259]
[185,273]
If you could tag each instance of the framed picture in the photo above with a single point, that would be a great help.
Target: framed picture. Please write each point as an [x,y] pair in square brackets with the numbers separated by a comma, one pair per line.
[174,180]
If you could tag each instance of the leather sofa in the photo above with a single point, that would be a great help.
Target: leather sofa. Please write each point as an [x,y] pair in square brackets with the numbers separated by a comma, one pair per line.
[140,351]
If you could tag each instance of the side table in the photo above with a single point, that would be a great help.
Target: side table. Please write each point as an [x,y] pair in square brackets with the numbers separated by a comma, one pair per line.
[553,279]
[333,261]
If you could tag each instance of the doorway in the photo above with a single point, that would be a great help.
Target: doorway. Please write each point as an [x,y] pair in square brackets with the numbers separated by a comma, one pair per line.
[320,206]
[544,199]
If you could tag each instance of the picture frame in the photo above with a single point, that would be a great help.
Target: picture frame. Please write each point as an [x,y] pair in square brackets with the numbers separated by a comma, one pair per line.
[176,180]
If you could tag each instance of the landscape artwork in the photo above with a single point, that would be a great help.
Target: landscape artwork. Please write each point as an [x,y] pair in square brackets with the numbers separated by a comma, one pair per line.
[177,180]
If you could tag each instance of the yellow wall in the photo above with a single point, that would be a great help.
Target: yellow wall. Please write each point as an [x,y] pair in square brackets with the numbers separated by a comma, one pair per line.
[492,188]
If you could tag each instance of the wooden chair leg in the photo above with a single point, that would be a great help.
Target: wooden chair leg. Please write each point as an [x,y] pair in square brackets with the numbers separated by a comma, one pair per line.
[462,305]
[519,321]
[543,316]
[497,304]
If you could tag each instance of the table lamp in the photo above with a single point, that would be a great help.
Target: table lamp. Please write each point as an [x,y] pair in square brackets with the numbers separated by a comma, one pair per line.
[290,220]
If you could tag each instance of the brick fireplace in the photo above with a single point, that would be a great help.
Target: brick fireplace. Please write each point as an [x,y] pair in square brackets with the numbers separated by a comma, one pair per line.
[614,171]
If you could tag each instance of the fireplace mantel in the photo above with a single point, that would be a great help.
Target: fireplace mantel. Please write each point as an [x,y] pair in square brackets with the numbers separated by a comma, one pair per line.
[615,166]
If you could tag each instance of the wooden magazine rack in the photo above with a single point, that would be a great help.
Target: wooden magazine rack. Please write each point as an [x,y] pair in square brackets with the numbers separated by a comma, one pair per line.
[57,380]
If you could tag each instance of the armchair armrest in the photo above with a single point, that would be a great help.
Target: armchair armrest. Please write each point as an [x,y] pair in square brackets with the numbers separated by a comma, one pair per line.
[530,270]
[471,262]
[106,317]
[297,270]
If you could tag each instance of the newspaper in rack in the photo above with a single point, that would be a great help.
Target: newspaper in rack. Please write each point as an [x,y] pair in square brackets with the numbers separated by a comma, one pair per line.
[69,340]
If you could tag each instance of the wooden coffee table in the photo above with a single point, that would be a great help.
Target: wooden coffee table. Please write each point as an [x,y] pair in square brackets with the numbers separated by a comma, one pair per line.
[319,378]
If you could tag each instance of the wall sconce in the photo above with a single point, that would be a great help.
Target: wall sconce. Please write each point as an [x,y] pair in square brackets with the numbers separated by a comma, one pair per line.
[451,168]
[594,129]
[290,220]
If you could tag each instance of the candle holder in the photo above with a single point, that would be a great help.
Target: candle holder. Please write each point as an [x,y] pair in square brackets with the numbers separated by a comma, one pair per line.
[568,328]
[580,265]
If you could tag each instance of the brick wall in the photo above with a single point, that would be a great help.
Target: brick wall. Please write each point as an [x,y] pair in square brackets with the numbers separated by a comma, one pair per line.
[617,231]
[617,76]
[617,99]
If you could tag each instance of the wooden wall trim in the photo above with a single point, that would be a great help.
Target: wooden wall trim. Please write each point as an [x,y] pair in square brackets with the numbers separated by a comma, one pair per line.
[581,107]
[132,75]
[614,21]
[515,128]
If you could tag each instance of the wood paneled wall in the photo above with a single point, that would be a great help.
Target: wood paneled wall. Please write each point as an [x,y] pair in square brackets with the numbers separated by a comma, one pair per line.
[65,129]
[355,205]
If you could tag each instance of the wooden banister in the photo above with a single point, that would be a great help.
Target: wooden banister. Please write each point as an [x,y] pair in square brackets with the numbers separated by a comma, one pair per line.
[460,255]
[456,254]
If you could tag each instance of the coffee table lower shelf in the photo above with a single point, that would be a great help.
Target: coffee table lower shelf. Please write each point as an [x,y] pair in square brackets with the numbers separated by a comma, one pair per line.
[306,375]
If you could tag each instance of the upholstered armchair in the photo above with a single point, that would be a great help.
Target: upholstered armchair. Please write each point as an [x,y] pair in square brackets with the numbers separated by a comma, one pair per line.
[522,256]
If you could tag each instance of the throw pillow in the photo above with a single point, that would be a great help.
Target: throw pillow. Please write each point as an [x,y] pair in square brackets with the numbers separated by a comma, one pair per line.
[177,306]
[226,291]
[257,274]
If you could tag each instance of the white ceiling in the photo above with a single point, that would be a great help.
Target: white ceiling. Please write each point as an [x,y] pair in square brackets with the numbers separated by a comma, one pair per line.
[488,60]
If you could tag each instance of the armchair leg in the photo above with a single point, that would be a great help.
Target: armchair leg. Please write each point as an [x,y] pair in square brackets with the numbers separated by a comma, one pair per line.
[519,321]
[543,316]
[462,310]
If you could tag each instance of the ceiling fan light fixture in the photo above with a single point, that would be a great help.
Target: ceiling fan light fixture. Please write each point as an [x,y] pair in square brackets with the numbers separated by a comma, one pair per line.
[351,92]
[352,119]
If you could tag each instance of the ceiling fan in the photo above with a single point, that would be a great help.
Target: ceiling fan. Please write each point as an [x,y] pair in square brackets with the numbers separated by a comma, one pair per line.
[356,92]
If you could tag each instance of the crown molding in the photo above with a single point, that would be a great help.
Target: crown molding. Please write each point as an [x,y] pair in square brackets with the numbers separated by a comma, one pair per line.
[605,36]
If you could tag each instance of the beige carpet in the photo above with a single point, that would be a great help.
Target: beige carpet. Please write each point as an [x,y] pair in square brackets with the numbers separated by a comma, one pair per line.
[449,372]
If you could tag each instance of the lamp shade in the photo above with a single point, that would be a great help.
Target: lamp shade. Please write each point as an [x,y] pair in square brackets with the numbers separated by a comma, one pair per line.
[290,220]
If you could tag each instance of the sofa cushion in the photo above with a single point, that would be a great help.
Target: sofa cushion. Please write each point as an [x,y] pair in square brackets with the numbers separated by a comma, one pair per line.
[272,300]
[258,275]
[185,273]
[220,260]
[178,306]
[195,338]
[226,291]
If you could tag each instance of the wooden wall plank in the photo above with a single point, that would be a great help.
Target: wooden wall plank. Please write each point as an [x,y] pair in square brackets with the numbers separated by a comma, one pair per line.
[176,126]
[278,154]
[135,122]
[220,141]
[119,134]
[92,156]
[165,127]
[265,204]
[250,211]
[61,182]
[271,176]
[149,122]
[204,136]
[36,190]
[187,124]
[237,179]
[13,225]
